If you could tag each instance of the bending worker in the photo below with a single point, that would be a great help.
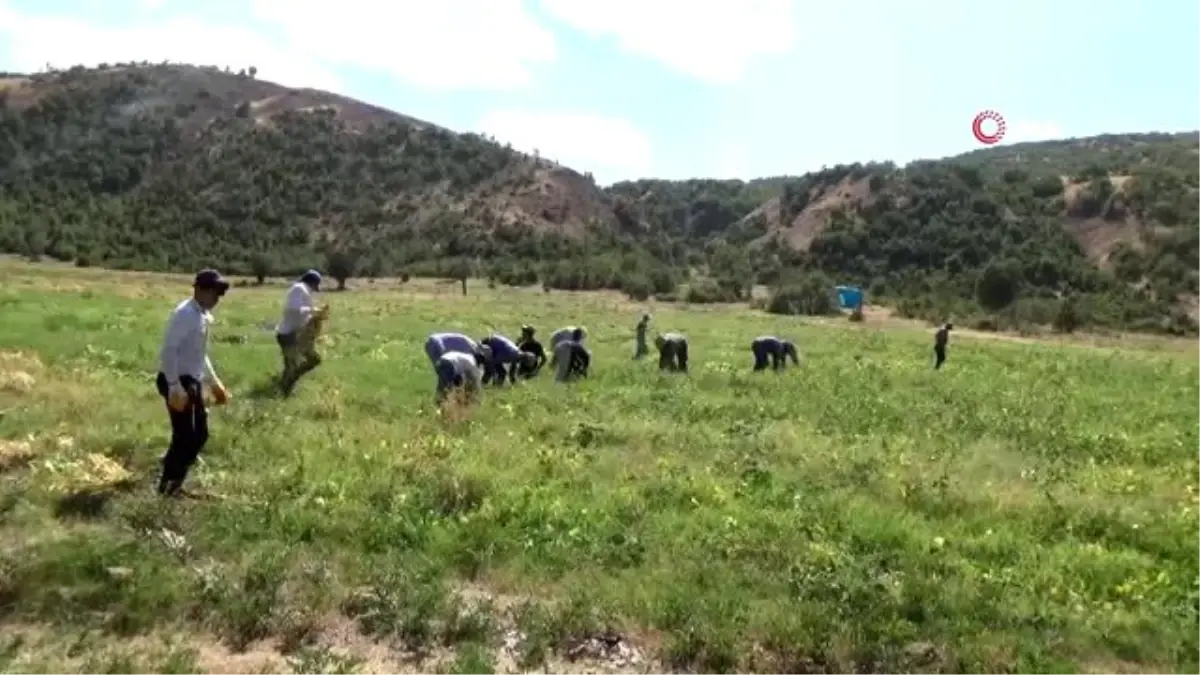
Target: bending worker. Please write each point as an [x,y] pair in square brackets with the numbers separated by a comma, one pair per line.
[568,334]
[778,351]
[504,353]
[672,352]
[572,359]
[443,343]
[458,371]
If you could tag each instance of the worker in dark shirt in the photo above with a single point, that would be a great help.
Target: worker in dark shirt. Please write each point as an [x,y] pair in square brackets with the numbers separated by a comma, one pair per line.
[769,347]
[672,352]
[526,367]
[940,338]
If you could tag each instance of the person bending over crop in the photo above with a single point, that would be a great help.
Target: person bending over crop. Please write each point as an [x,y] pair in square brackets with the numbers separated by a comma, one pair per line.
[441,343]
[672,352]
[568,334]
[505,361]
[458,371]
[576,333]
[573,361]
[769,347]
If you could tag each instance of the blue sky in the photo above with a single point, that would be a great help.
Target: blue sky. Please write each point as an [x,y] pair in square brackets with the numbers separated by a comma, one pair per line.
[632,88]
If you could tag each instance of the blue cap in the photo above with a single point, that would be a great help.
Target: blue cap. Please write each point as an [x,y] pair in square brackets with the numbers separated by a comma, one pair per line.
[312,278]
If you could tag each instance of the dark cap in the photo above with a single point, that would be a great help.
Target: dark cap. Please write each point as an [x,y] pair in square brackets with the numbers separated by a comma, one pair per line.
[211,280]
[312,278]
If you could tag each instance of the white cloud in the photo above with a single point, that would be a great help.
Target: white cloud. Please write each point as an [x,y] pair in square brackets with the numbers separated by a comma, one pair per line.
[713,40]
[448,45]
[612,149]
[1024,131]
[63,41]
[443,45]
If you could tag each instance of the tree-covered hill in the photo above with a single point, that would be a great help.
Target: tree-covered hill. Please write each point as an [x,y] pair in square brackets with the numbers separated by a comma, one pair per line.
[171,167]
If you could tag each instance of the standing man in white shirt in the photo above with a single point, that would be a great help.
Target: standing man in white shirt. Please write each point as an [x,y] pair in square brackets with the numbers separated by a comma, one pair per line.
[184,367]
[299,307]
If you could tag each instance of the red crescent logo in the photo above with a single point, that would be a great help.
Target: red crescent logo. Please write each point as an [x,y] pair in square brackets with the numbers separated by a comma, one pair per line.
[981,135]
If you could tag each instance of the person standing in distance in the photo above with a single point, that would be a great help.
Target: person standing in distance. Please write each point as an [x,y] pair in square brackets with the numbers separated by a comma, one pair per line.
[940,339]
[299,307]
[184,367]
[640,331]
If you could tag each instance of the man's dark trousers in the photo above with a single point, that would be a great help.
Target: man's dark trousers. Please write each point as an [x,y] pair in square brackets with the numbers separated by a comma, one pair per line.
[939,356]
[298,359]
[762,356]
[189,433]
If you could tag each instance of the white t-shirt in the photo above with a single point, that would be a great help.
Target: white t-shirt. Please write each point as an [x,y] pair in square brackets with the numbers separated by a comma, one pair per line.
[298,306]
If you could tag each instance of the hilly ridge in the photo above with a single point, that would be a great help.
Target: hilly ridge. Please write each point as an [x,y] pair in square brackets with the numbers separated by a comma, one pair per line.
[173,166]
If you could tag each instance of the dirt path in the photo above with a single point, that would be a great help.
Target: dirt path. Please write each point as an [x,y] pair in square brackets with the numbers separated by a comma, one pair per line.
[883,318]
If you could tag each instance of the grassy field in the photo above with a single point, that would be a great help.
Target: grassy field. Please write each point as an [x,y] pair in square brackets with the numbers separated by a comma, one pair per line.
[1030,507]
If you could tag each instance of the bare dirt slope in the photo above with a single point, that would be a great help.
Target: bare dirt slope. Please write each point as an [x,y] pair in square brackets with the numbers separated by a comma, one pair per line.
[1099,234]
[801,229]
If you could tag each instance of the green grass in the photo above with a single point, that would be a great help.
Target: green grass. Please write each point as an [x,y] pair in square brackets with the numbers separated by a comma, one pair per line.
[1031,507]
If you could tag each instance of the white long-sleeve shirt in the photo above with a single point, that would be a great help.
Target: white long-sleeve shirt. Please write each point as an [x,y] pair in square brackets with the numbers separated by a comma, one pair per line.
[185,344]
[465,367]
[561,335]
[298,306]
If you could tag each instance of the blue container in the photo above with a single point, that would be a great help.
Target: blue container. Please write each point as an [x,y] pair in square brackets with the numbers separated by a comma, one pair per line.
[850,297]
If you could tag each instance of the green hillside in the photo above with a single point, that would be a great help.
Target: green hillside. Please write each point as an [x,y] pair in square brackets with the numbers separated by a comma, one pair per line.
[169,167]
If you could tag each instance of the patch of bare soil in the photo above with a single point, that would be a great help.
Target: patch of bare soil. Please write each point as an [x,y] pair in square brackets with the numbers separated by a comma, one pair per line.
[876,317]
[338,637]
[846,196]
[1099,236]
[12,82]
[547,196]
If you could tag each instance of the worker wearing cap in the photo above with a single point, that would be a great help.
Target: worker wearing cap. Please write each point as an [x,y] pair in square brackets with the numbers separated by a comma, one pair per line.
[184,367]
[299,346]
[533,354]
[643,327]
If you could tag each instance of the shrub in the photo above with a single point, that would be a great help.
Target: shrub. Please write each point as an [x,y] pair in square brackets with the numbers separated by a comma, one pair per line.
[707,291]
[810,295]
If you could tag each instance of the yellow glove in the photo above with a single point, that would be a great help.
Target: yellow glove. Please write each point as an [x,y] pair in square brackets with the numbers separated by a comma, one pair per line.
[219,392]
[177,399]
